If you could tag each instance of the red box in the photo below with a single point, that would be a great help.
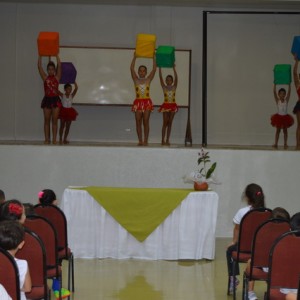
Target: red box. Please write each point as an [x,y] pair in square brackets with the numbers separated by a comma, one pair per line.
[48,43]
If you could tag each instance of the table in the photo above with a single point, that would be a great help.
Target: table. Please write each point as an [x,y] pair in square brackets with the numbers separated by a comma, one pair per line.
[187,233]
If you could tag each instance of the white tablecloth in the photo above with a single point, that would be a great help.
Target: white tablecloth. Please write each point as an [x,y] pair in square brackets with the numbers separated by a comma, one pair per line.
[187,233]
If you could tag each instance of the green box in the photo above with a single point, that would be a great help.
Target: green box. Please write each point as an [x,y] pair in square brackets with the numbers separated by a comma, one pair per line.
[165,56]
[282,74]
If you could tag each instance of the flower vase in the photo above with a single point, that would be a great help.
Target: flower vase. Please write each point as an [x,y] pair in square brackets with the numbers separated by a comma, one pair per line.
[200,186]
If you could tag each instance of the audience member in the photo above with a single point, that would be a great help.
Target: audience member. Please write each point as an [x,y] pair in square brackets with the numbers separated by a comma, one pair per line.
[12,239]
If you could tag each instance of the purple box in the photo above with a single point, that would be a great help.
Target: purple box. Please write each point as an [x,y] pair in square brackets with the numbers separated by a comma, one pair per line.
[68,73]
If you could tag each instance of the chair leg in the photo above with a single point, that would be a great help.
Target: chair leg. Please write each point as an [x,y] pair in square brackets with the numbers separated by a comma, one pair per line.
[72,264]
[233,275]
[245,287]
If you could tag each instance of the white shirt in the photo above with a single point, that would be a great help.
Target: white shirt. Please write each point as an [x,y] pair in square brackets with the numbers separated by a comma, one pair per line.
[67,102]
[3,293]
[23,267]
[240,214]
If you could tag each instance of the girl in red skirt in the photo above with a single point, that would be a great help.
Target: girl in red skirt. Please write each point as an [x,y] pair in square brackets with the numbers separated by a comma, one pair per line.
[67,112]
[281,120]
[169,107]
[142,105]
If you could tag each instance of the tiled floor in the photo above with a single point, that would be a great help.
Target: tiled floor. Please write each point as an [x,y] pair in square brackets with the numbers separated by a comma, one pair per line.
[110,279]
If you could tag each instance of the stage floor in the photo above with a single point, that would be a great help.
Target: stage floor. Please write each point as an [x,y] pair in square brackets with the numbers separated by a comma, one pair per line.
[150,145]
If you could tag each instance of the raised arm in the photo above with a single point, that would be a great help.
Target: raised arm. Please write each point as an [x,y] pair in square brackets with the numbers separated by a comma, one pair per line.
[41,70]
[295,73]
[132,66]
[152,73]
[275,93]
[75,89]
[58,68]
[175,76]
[161,79]
[287,98]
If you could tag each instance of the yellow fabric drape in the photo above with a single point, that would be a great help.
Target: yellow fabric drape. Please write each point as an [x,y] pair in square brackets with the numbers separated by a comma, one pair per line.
[138,210]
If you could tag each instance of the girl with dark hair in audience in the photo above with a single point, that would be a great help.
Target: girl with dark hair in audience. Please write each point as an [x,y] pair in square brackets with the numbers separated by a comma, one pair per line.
[255,198]
[12,210]
[47,197]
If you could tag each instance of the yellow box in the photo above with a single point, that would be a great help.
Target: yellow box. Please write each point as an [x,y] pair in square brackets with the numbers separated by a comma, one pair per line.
[145,45]
[48,43]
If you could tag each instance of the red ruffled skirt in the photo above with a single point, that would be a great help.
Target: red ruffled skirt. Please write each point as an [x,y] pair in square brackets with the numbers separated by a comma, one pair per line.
[282,121]
[168,107]
[142,105]
[68,114]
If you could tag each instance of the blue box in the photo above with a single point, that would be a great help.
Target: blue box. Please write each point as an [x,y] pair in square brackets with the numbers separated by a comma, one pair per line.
[165,56]
[68,73]
[296,46]
[282,74]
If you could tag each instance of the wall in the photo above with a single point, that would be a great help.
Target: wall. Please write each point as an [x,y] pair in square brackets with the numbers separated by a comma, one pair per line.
[26,169]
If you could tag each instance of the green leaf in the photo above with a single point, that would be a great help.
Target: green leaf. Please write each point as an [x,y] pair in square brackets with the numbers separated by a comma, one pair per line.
[211,170]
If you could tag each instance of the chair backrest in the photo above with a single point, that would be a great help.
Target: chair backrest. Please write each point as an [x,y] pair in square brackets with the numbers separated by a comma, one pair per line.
[9,274]
[58,219]
[248,226]
[34,253]
[46,232]
[284,262]
[264,237]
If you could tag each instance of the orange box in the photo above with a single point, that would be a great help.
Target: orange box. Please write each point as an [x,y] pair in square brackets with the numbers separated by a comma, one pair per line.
[48,43]
[145,45]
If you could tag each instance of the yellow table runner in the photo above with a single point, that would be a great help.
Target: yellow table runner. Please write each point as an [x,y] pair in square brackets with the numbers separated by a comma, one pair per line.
[138,210]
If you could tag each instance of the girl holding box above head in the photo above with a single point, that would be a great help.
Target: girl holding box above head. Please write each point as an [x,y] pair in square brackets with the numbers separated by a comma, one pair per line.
[281,120]
[169,107]
[142,105]
[51,102]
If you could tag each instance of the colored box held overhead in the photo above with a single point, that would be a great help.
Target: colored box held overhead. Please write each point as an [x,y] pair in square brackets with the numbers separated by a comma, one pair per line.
[165,56]
[68,73]
[48,43]
[145,45]
[282,74]
[296,46]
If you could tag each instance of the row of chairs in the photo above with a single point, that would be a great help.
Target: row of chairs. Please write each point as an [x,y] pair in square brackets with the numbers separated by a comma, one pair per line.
[46,245]
[268,243]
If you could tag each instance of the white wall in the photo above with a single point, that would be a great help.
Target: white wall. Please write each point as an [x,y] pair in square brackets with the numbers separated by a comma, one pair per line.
[25,170]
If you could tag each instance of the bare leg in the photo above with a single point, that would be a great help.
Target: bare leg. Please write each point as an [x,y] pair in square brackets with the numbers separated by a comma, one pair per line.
[138,122]
[164,127]
[68,125]
[47,118]
[61,130]
[146,118]
[55,114]
[276,137]
[171,117]
[285,136]
[298,131]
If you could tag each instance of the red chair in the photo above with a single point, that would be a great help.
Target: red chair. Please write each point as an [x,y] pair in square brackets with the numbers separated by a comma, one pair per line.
[248,226]
[58,219]
[263,240]
[46,232]
[9,274]
[34,253]
[284,265]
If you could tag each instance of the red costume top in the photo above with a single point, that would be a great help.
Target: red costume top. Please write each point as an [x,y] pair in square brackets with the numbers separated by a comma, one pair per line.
[51,86]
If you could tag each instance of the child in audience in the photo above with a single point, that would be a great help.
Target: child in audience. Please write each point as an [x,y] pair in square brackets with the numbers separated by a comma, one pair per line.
[169,107]
[281,120]
[12,239]
[67,112]
[142,105]
[12,210]
[2,196]
[47,197]
[254,197]
[280,213]
[51,102]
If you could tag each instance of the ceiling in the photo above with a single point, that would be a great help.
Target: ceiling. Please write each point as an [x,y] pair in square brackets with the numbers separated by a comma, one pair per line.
[253,4]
